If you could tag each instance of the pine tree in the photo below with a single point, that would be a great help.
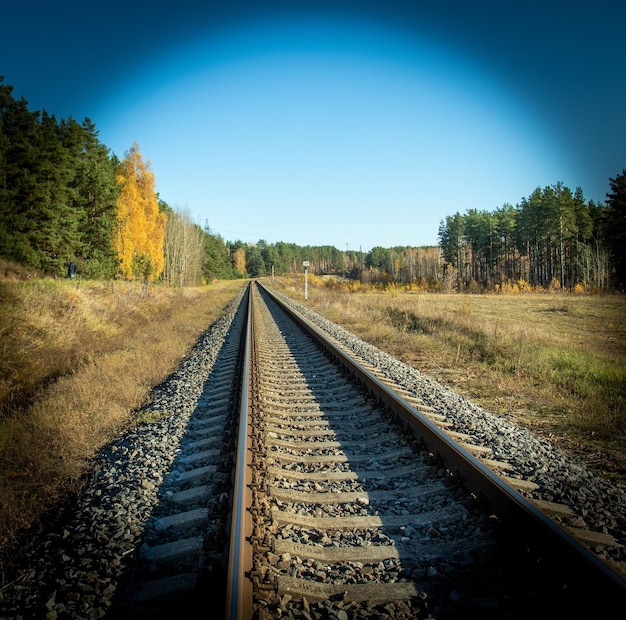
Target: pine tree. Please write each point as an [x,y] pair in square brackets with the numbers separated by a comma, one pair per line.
[56,235]
[96,193]
[217,258]
[19,180]
[615,228]
[254,262]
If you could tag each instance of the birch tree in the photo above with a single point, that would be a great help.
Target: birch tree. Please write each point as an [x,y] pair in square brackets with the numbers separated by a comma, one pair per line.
[184,250]
[239,260]
[140,228]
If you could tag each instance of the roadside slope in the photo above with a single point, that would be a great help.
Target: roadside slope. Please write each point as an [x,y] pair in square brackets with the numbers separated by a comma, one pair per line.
[76,358]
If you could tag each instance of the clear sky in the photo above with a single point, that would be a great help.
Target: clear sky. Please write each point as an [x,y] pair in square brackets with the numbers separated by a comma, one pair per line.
[344,123]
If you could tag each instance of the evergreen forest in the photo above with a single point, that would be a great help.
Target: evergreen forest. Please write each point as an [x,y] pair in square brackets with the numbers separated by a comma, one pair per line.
[551,239]
[65,197]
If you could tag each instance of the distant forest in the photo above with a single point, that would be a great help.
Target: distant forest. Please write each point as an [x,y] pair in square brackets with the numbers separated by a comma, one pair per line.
[553,238]
[65,197]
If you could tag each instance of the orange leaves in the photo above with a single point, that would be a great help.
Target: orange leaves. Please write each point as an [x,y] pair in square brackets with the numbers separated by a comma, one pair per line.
[140,229]
[239,260]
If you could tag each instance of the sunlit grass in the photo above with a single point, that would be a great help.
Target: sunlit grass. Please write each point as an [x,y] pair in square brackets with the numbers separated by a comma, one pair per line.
[76,358]
[554,362]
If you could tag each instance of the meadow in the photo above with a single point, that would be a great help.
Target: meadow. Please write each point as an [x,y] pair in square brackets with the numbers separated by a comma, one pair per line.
[76,359]
[553,362]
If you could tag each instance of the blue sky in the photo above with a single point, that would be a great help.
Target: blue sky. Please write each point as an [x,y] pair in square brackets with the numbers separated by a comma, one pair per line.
[351,124]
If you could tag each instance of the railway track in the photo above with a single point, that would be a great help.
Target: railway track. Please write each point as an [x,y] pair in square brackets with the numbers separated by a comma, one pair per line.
[352,498]
[361,504]
[303,479]
[350,508]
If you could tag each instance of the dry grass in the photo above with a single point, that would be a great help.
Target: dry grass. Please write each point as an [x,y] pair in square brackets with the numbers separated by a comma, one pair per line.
[76,358]
[553,362]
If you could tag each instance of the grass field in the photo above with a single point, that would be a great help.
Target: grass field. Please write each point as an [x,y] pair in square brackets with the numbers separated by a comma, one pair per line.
[76,358]
[554,362]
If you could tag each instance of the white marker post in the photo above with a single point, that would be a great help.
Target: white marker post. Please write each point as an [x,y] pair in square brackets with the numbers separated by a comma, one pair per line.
[306,279]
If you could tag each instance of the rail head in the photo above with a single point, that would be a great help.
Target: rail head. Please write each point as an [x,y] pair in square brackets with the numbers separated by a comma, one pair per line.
[238,583]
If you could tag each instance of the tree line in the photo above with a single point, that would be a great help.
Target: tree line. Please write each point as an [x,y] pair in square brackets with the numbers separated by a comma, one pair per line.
[65,197]
[552,238]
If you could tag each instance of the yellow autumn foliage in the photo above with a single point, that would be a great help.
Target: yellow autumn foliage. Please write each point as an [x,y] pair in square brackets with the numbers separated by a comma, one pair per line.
[239,260]
[140,233]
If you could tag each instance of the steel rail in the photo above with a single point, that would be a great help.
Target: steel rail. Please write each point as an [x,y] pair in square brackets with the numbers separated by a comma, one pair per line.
[239,585]
[577,561]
